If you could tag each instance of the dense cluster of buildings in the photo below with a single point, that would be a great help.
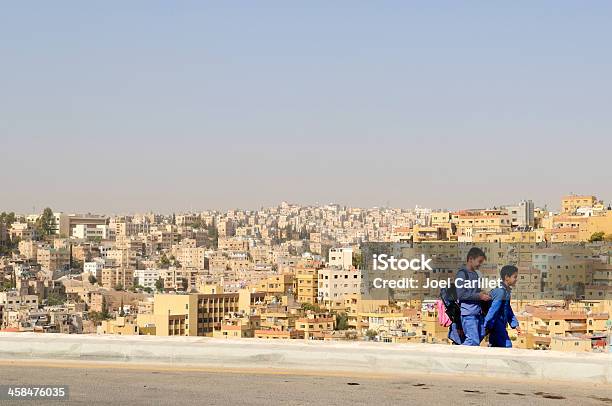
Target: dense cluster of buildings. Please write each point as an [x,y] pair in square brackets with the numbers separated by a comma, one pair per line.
[301,272]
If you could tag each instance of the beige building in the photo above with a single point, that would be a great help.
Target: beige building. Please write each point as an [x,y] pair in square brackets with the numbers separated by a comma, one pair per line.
[122,258]
[570,344]
[190,256]
[51,259]
[120,326]
[199,314]
[479,227]
[594,224]
[114,277]
[275,334]
[569,204]
[28,249]
[315,326]
[233,244]
[276,285]
[307,286]
[21,231]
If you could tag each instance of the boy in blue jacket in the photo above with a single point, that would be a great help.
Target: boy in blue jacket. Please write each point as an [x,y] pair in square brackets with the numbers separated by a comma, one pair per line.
[500,313]
[471,297]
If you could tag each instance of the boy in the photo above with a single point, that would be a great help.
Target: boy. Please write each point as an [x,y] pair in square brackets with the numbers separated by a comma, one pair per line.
[470,298]
[500,314]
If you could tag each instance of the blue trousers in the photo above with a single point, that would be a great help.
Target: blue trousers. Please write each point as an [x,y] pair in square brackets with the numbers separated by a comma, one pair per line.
[455,335]
[498,336]
[473,327]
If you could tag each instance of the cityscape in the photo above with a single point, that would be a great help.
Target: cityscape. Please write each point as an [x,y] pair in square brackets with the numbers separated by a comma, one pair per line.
[298,203]
[294,272]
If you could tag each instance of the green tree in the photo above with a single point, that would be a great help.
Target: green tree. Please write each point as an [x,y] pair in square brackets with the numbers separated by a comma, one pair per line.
[164,262]
[159,284]
[597,236]
[121,311]
[370,334]
[92,279]
[46,222]
[56,299]
[6,285]
[119,287]
[342,321]
[8,246]
[608,238]
[312,307]
[94,316]
[105,314]
[7,219]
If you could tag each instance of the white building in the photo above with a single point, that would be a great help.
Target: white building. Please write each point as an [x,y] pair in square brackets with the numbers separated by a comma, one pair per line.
[341,258]
[86,231]
[335,284]
[94,268]
[105,249]
[147,277]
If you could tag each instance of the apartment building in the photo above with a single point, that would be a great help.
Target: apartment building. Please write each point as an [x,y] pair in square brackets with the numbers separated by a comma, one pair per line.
[51,259]
[117,277]
[123,258]
[66,223]
[571,203]
[478,227]
[88,232]
[563,270]
[341,258]
[180,279]
[599,223]
[13,300]
[315,326]
[540,325]
[307,285]
[276,285]
[94,268]
[522,215]
[28,249]
[190,256]
[233,244]
[334,284]
[21,231]
[199,314]
[147,277]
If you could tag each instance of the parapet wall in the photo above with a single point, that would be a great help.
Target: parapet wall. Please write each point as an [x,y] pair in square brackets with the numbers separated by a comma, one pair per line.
[311,356]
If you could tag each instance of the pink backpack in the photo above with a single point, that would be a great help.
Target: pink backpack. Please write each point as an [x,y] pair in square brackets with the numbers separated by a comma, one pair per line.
[443,318]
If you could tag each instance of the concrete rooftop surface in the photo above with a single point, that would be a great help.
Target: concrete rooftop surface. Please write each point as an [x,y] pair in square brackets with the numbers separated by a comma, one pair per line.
[311,357]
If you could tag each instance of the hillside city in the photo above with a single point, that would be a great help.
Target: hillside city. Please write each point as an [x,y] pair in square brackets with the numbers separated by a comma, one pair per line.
[297,272]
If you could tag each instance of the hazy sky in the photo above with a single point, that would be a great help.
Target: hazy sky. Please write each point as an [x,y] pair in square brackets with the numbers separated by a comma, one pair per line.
[129,106]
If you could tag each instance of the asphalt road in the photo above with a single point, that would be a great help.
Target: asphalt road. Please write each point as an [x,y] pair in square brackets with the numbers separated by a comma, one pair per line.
[147,385]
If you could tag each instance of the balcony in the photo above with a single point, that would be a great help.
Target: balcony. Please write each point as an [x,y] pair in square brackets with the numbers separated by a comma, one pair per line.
[577,327]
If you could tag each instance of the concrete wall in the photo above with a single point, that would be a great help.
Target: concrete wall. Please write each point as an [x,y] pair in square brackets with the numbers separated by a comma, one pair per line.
[312,356]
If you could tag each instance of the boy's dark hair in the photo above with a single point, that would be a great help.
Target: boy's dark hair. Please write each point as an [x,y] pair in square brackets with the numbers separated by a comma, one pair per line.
[475,252]
[507,270]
